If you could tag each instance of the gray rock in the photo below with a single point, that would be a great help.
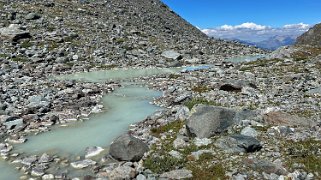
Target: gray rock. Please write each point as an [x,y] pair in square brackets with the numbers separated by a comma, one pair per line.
[182,113]
[32,16]
[207,121]
[238,143]
[82,164]
[29,160]
[14,33]
[141,177]
[248,131]
[285,119]
[179,143]
[45,158]
[128,148]
[177,174]
[122,173]
[38,101]
[172,55]
[10,124]
[265,166]
[175,154]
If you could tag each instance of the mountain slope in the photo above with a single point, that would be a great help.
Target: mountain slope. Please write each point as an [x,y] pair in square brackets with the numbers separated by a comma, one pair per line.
[312,37]
[117,33]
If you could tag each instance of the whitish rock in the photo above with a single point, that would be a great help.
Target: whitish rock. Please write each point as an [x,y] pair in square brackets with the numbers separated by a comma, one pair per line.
[179,143]
[175,154]
[48,177]
[207,121]
[248,131]
[93,151]
[128,148]
[202,142]
[14,33]
[82,164]
[177,174]
[122,172]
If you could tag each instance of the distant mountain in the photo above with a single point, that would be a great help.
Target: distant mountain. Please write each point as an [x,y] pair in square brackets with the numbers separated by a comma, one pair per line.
[311,37]
[272,43]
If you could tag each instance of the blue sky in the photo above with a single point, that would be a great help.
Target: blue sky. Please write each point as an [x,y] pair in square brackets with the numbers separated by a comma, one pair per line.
[273,13]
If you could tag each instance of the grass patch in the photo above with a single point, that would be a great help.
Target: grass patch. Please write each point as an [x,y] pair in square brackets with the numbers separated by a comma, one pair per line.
[175,126]
[163,164]
[200,89]
[174,76]
[19,59]
[26,44]
[307,153]
[191,103]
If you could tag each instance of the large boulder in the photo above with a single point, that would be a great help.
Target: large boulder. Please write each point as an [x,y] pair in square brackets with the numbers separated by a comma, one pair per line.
[206,121]
[128,148]
[14,33]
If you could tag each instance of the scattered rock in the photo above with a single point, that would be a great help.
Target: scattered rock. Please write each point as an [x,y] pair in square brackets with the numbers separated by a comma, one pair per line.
[207,121]
[172,55]
[128,148]
[177,174]
[284,119]
[14,33]
[238,143]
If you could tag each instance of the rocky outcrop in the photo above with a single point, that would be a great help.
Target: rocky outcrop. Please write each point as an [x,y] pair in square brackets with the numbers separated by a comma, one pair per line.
[312,37]
[128,148]
[207,121]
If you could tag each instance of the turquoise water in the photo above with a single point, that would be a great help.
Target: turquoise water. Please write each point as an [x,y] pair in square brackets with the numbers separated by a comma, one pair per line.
[249,58]
[125,106]
[7,172]
[118,74]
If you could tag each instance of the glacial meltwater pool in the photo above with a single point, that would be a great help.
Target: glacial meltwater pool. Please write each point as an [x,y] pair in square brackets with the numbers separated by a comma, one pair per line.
[248,58]
[123,107]
[8,172]
[118,74]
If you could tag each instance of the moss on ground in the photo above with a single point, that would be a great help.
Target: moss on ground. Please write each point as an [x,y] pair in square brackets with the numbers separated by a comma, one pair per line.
[305,152]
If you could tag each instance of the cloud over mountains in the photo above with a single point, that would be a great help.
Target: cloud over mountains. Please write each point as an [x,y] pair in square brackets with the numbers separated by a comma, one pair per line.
[250,31]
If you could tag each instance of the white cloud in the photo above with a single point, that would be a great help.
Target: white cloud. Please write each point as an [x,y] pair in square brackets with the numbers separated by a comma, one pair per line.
[247,25]
[250,31]
[296,26]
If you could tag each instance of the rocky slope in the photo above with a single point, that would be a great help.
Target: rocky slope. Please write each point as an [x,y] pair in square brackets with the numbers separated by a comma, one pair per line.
[312,37]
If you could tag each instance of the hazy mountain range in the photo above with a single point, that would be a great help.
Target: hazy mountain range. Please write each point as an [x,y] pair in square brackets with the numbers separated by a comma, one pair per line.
[264,37]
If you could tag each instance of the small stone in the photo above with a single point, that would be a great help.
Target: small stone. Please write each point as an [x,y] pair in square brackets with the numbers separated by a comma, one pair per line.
[93,151]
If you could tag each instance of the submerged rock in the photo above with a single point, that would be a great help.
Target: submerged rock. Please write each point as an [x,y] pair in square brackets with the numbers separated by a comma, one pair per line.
[93,151]
[206,121]
[128,148]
